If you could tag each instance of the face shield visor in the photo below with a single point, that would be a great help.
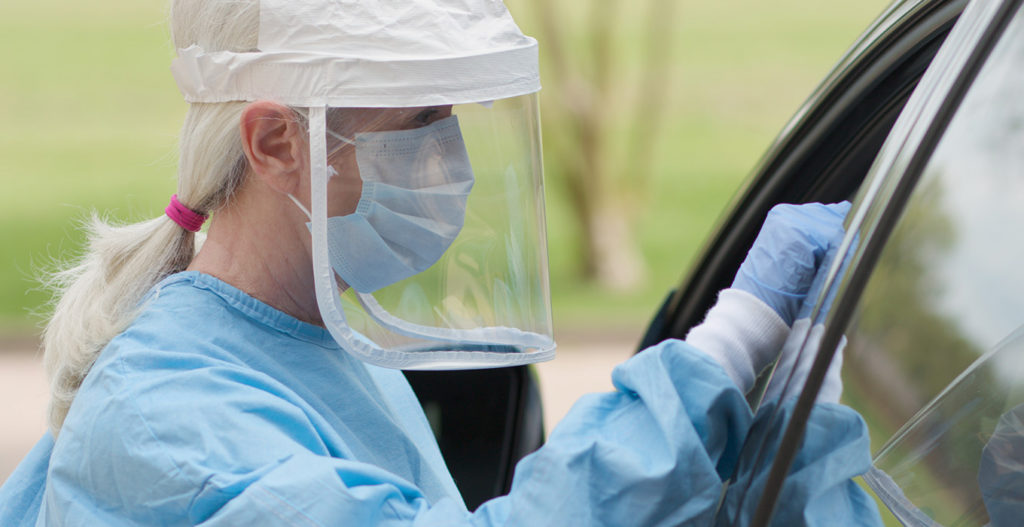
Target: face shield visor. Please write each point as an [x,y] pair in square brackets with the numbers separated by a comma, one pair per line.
[428,234]
[426,203]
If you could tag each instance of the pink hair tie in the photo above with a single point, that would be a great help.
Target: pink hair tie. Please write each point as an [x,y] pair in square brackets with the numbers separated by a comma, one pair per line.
[189,219]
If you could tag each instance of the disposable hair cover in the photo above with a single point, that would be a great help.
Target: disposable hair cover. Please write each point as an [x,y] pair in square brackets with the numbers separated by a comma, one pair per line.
[351,53]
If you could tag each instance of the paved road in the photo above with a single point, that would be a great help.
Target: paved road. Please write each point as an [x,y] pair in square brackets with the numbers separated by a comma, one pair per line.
[582,366]
[23,396]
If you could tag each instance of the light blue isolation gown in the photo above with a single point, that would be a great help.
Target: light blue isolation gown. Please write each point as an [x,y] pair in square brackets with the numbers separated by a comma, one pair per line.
[216,409]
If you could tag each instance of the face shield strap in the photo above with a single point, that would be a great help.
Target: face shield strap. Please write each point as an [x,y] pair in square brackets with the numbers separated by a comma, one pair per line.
[333,315]
[323,276]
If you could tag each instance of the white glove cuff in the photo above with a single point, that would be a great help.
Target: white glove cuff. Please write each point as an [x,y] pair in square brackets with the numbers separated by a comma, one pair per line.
[741,333]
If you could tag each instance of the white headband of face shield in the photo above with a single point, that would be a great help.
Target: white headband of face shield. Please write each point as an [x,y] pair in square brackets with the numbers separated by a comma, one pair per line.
[506,341]
[368,54]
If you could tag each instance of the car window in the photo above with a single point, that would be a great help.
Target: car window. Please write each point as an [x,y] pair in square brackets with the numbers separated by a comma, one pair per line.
[949,285]
[935,354]
[940,189]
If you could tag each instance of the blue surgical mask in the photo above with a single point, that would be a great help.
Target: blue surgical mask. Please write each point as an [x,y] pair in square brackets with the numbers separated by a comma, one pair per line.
[415,187]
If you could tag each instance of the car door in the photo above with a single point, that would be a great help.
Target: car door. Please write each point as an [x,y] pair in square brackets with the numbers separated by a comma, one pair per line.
[485,421]
[932,302]
[928,290]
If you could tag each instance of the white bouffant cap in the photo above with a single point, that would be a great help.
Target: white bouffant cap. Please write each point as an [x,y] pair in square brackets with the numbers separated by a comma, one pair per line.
[355,53]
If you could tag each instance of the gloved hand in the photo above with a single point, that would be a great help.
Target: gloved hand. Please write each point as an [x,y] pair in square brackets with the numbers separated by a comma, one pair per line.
[811,300]
[782,263]
[800,349]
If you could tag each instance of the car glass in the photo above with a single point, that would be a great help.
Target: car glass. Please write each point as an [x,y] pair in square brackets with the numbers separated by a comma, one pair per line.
[935,360]
[912,142]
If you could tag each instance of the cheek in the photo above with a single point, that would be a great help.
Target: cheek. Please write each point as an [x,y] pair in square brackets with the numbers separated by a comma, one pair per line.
[343,190]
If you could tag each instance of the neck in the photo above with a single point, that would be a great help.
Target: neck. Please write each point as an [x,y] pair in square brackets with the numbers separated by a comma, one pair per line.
[260,246]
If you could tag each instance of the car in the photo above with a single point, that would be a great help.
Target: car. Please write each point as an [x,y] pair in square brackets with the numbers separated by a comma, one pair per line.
[921,125]
[926,288]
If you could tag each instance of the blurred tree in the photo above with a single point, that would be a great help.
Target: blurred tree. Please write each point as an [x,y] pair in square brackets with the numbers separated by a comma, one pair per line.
[607,76]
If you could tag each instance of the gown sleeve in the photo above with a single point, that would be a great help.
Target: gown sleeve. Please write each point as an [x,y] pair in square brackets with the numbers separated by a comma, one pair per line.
[819,490]
[229,450]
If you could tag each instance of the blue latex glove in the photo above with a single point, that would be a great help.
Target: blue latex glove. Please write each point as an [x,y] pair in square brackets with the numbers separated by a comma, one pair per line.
[819,282]
[782,264]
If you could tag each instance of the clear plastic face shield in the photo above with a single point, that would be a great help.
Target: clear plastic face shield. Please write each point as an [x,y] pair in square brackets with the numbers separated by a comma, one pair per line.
[428,233]
[426,209]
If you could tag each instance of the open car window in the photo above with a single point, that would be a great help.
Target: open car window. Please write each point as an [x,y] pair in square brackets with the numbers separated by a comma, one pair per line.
[934,357]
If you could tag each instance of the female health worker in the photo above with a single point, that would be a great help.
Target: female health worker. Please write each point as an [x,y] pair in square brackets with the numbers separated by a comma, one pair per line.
[372,170]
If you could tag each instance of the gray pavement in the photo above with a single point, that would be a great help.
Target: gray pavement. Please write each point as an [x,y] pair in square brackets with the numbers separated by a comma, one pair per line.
[583,365]
[23,397]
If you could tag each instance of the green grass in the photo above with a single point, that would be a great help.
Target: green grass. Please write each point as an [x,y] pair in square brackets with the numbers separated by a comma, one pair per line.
[90,116]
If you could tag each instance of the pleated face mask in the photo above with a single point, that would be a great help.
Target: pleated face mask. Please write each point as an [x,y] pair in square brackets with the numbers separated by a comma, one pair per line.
[415,187]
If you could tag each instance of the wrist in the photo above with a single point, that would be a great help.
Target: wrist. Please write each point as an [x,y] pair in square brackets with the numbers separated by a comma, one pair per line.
[742,334]
[783,303]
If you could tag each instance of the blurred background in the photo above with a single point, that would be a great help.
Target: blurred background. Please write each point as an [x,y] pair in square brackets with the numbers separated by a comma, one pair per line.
[654,111]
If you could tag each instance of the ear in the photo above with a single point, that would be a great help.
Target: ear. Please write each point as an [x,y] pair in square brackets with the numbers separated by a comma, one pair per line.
[274,144]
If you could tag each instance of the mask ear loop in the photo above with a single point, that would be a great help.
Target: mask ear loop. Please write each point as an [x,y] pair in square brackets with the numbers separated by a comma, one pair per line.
[330,173]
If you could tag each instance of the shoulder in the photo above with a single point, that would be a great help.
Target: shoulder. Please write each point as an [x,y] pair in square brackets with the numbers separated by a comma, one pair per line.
[151,429]
[21,495]
[189,392]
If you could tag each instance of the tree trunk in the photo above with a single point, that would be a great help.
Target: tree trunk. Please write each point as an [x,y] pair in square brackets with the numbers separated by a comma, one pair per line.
[613,257]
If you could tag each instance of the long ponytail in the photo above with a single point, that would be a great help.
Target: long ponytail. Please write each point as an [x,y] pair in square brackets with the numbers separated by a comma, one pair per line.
[99,295]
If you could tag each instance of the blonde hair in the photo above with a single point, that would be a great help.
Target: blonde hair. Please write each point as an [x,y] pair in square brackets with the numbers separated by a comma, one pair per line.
[99,295]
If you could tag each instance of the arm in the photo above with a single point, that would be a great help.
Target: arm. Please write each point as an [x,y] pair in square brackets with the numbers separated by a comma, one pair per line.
[230,448]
